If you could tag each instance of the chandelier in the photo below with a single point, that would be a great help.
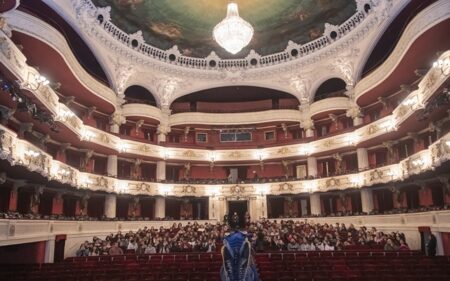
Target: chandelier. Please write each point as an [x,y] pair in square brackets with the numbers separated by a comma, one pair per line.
[233,33]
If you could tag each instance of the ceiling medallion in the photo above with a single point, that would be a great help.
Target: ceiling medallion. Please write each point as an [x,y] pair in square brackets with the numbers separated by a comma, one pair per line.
[233,33]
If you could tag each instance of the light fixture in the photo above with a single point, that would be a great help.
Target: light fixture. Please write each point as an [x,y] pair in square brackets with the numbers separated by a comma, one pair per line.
[233,33]
[443,65]
[122,147]
[31,153]
[306,149]
[357,180]
[87,135]
[352,139]
[34,82]
[165,189]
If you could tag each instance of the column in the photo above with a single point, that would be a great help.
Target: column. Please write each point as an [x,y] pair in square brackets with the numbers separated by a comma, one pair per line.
[309,133]
[312,166]
[49,251]
[367,200]
[314,202]
[160,207]
[363,159]
[110,205]
[111,166]
[161,171]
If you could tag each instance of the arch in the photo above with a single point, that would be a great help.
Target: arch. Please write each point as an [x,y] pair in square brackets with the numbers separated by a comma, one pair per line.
[333,87]
[139,94]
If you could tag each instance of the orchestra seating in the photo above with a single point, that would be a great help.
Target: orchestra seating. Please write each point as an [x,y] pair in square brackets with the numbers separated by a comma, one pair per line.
[352,266]
[278,266]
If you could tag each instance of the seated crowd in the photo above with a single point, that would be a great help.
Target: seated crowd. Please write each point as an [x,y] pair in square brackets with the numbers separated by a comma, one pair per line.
[266,236]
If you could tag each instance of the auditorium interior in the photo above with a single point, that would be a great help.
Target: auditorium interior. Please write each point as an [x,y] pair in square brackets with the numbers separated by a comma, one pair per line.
[137,135]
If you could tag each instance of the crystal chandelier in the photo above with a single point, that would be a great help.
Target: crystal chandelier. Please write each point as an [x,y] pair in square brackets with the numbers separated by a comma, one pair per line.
[233,33]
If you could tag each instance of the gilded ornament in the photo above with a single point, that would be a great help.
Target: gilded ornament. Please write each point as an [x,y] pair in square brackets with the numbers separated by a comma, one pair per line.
[189,153]
[284,151]
[143,187]
[189,189]
[286,187]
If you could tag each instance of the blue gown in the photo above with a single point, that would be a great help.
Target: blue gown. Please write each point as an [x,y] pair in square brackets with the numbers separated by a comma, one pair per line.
[238,264]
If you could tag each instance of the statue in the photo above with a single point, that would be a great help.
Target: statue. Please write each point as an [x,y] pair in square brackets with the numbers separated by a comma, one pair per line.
[238,263]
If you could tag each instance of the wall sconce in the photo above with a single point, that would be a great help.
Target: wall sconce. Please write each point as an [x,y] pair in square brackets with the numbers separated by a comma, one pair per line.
[390,124]
[165,189]
[34,82]
[31,153]
[122,187]
[306,149]
[352,139]
[443,65]
[87,135]
[65,114]
[311,186]
[357,180]
[85,182]
[165,153]
[418,162]
[121,147]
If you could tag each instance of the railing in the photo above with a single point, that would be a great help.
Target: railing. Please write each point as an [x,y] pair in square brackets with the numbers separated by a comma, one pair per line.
[252,61]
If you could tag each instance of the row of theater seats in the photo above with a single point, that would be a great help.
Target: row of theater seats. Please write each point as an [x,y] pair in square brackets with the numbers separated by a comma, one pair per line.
[352,265]
[279,266]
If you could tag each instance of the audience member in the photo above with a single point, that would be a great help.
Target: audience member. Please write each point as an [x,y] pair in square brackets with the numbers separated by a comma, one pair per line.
[269,236]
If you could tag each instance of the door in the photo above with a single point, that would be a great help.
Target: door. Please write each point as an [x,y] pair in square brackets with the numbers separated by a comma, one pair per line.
[233,175]
[301,171]
[239,207]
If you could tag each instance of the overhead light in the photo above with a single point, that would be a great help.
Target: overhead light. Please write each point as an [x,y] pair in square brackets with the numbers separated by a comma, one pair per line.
[233,33]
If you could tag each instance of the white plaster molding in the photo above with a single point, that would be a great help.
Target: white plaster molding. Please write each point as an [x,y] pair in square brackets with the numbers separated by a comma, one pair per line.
[431,16]
[21,152]
[329,104]
[267,116]
[38,29]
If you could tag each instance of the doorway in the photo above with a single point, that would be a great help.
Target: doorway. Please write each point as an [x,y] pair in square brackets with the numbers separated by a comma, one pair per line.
[240,207]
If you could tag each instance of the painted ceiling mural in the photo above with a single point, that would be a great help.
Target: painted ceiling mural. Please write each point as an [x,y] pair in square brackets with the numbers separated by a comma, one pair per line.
[189,23]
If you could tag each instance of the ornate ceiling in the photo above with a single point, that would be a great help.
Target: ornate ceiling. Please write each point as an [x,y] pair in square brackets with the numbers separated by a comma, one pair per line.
[189,24]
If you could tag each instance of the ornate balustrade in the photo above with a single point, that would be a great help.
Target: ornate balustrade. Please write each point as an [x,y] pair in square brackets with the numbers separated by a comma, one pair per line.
[25,231]
[14,60]
[21,152]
